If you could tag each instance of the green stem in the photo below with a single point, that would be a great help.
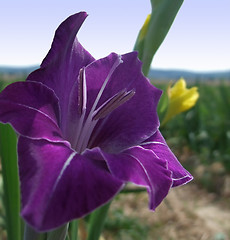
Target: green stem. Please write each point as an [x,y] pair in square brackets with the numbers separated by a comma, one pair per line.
[97,221]
[74,230]
[30,233]
[162,17]
[155,31]
[133,190]
[8,153]
[59,233]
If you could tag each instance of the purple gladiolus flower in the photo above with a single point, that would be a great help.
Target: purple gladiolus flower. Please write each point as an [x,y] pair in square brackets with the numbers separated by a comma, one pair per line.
[86,127]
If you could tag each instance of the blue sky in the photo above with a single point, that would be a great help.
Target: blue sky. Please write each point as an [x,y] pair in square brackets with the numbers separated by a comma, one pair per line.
[198,40]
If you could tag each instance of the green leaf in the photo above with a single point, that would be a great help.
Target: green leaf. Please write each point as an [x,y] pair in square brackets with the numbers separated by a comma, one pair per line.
[97,221]
[8,153]
[155,3]
[162,17]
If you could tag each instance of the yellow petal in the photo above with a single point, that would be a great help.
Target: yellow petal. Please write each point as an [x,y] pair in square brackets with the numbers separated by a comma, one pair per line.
[178,88]
[181,99]
[144,28]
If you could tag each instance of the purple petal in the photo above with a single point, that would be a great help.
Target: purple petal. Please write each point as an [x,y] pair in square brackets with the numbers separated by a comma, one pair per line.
[32,109]
[60,68]
[135,120]
[61,185]
[157,144]
[141,167]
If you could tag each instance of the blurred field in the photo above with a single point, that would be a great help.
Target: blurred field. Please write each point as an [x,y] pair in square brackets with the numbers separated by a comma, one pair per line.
[200,210]
[201,136]
[188,213]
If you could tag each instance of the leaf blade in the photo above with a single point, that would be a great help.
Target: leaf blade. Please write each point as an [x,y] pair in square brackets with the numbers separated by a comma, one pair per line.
[8,153]
[162,17]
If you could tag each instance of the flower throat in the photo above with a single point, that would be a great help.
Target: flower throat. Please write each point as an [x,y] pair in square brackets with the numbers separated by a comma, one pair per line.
[87,123]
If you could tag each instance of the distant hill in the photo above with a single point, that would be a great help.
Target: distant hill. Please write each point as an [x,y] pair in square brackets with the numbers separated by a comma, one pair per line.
[17,70]
[188,75]
[157,74]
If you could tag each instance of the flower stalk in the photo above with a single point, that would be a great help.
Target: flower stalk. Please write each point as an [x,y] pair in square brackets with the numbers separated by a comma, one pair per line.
[8,154]
[97,221]
[74,230]
[162,17]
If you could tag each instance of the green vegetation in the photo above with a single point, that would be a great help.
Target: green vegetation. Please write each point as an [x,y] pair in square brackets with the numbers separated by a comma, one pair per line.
[125,227]
[5,81]
[205,129]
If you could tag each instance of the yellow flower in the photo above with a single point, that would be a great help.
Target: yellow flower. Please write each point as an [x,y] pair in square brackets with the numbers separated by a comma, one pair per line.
[144,28]
[180,99]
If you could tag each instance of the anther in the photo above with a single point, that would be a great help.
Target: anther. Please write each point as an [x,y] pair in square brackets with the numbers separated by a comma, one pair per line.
[113,103]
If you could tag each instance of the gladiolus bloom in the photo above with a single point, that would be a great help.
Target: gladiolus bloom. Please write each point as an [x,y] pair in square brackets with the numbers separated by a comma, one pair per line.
[180,98]
[86,127]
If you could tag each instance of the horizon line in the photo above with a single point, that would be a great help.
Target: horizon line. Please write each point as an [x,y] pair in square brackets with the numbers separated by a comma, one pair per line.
[35,66]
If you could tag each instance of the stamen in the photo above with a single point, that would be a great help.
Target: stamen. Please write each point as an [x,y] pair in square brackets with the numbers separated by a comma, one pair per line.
[82,101]
[89,125]
[108,102]
[113,103]
[81,91]
[115,65]
[106,108]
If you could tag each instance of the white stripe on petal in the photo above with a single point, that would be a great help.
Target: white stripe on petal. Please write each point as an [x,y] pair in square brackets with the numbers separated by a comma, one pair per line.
[66,164]
[153,142]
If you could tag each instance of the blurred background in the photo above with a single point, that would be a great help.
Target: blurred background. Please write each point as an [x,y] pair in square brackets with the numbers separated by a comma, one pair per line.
[196,48]
[198,39]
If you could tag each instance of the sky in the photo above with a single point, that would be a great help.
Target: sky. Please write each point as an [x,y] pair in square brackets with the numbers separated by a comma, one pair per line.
[199,39]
